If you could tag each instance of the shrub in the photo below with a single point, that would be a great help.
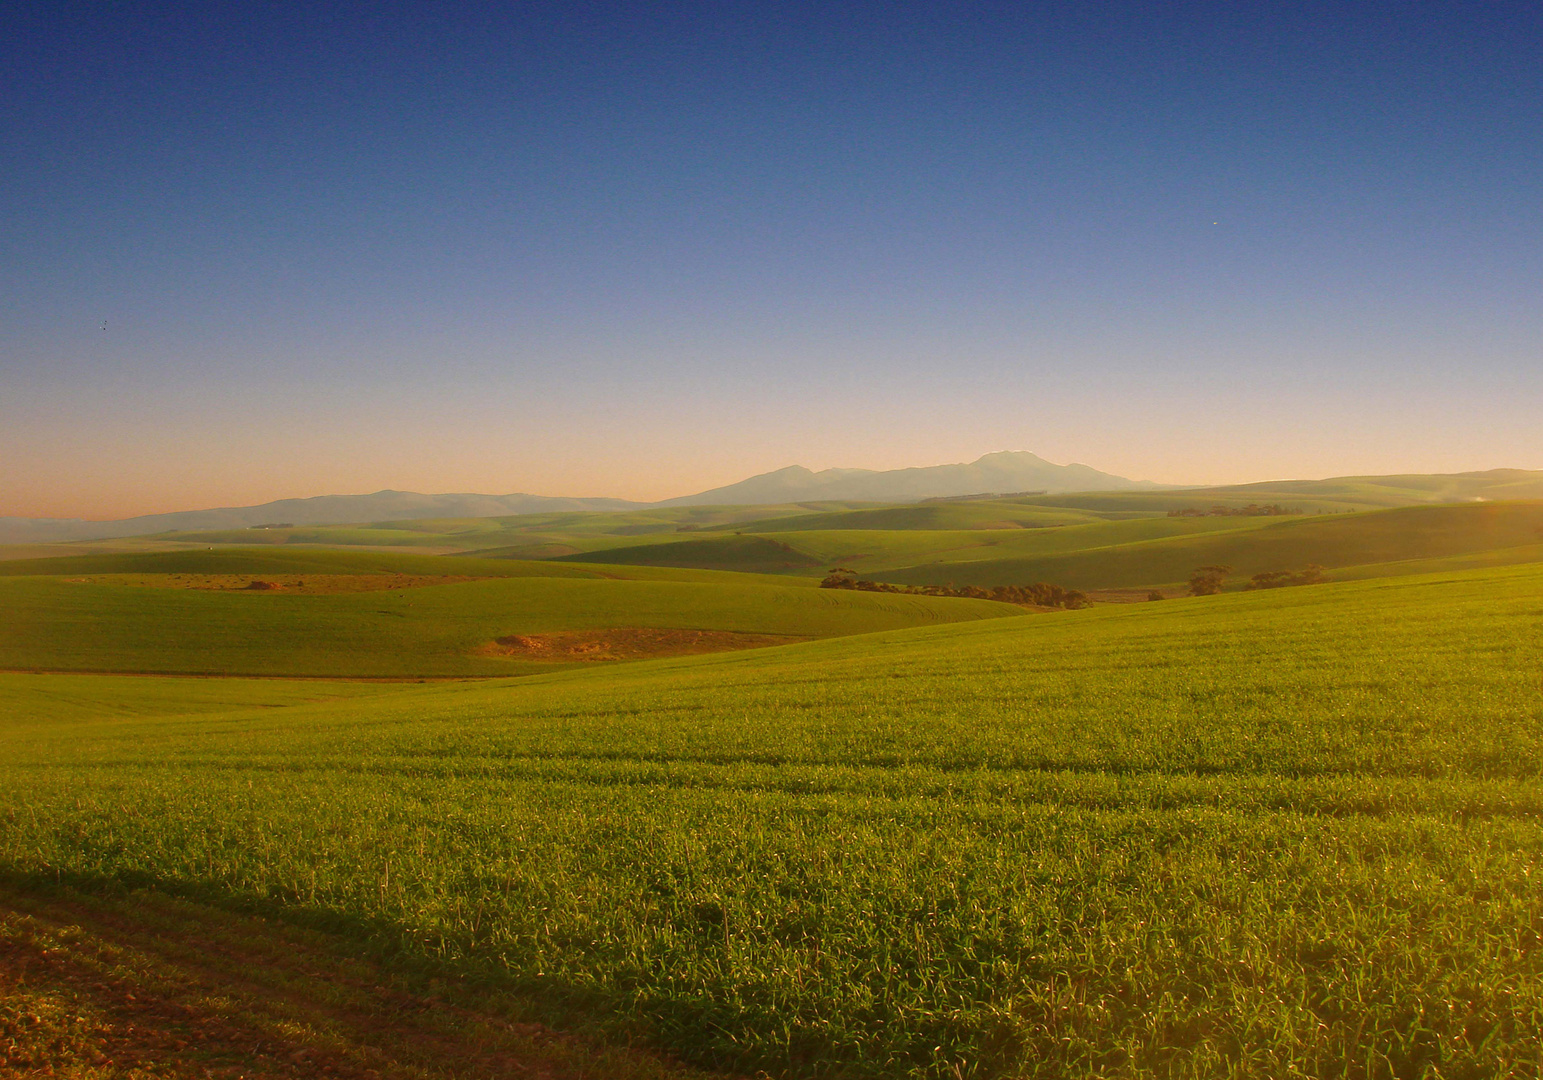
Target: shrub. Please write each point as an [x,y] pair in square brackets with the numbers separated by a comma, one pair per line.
[1275,579]
[1208,580]
[1039,594]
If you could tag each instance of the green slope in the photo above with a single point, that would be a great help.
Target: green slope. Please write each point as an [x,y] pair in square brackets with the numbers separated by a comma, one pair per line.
[67,700]
[236,560]
[972,514]
[876,552]
[1322,496]
[1404,539]
[260,561]
[750,554]
[589,529]
[56,624]
[1247,835]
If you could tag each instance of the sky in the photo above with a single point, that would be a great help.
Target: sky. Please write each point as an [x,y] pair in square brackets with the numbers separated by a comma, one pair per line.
[270,250]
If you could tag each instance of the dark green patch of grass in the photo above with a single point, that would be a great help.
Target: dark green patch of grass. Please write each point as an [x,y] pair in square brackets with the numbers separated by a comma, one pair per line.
[750,554]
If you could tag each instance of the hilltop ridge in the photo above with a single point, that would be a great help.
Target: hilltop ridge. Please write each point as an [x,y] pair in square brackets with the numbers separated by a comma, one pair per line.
[1003,471]
[1006,472]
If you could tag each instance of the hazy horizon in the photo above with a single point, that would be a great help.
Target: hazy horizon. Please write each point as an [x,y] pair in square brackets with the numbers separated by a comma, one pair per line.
[641,251]
[662,498]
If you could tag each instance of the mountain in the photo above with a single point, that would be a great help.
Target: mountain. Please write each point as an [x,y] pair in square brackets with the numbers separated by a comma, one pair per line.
[1003,473]
[321,510]
[1007,471]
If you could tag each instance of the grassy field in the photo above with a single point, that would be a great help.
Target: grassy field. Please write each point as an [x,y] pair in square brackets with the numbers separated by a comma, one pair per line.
[574,530]
[1140,552]
[749,554]
[1381,539]
[1253,835]
[386,616]
[142,985]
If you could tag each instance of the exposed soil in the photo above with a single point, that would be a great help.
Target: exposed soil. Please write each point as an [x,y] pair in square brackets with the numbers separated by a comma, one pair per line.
[626,643]
[147,986]
[308,584]
[1127,596]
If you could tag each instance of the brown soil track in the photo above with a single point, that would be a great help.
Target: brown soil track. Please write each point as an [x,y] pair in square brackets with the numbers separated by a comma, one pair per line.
[627,643]
[1125,596]
[148,986]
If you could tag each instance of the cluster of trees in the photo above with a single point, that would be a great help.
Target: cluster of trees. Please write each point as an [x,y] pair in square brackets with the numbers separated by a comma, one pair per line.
[1251,510]
[1208,580]
[1039,594]
[1275,579]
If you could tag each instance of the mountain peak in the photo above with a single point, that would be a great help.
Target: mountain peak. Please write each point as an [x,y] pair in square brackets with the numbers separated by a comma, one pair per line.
[1004,471]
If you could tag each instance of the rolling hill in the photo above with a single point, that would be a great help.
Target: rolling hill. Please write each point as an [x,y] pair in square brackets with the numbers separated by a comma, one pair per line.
[349,614]
[785,492]
[1259,834]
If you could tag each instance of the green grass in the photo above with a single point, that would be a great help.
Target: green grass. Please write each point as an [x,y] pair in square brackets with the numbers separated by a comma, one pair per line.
[587,529]
[1138,552]
[70,699]
[987,514]
[751,554]
[239,560]
[260,561]
[1335,494]
[1296,833]
[55,624]
[881,552]
[1384,538]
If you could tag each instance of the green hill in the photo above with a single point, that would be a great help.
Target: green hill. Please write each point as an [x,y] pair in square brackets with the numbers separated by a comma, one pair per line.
[1263,834]
[471,628]
[292,561]
[985,514]
[1321,496]
[1384,538]
[750,554]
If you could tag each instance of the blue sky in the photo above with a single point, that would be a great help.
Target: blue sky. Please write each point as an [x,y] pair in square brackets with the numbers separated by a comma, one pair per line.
[643,249]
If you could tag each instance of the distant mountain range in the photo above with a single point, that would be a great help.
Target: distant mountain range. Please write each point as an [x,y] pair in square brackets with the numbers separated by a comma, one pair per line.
[321,510]
[1008,471]
[1002,472]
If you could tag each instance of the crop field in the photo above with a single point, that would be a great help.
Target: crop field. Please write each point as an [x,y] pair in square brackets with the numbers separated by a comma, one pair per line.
[195,617]
[938,545]
[1255,835]
[1383,539]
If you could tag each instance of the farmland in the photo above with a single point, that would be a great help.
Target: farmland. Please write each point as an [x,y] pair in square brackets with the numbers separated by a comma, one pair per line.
[1256,834]
[1103,541]
[197,613]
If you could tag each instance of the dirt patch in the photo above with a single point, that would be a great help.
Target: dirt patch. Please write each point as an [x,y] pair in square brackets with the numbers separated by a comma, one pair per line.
[305,584]
[147,986]
[1128,596]
[626,643]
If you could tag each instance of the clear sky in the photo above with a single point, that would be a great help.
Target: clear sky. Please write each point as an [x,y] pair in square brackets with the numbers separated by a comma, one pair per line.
[641,249]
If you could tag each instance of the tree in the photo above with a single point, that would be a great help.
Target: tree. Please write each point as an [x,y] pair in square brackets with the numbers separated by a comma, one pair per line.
[1208,580]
